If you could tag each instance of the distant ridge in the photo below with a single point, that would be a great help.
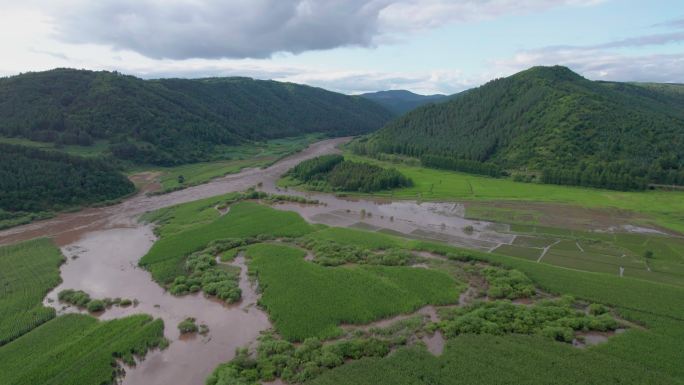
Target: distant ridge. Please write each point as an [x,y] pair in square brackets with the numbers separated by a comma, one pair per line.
[402,101]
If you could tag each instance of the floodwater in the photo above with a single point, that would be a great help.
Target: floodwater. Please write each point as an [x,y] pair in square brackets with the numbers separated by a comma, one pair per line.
[103,246]
[106,266]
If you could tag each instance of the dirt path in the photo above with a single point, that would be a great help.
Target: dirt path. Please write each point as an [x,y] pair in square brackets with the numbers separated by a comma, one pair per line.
[546,250]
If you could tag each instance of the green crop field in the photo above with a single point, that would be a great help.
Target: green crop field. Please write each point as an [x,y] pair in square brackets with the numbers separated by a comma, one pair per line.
[663,208]
[307,300]
[77,349]
[29,271]
[38,348]
[166,258]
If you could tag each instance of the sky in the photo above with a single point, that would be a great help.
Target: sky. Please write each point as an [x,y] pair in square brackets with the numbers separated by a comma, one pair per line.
[349,46]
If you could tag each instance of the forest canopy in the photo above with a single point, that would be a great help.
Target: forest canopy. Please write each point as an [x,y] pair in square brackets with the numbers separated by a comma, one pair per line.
[333,172]
[33,180]
[551,121]
[173,121]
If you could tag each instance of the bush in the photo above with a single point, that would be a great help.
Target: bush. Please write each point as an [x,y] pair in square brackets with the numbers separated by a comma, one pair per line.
[96,305]
[597,309]
[188,325]
[74,297]
[509,284]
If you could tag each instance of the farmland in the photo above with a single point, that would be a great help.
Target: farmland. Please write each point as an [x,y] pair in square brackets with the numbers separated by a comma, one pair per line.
[327,295]
[77,349]
[69,349]
[29,271]
[341,295]
[166,258]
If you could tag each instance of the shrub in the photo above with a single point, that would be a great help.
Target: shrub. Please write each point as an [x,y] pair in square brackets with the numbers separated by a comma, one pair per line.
[188,325]
[96,305]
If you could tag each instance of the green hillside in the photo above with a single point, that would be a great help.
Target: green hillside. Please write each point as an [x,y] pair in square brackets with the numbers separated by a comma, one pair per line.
[172,121]
[553,122]
[34,181]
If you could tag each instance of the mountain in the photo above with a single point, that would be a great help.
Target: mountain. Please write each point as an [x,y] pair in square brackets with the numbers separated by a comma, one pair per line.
[172,121]
[550,119]
[402,101]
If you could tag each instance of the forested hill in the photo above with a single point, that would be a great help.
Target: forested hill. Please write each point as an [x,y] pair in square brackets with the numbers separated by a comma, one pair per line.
[402,101]
[172,121]
[550,119]
[33,180]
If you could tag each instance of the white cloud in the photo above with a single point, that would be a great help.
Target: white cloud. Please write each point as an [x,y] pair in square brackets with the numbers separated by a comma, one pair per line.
[597,64]
[182,29]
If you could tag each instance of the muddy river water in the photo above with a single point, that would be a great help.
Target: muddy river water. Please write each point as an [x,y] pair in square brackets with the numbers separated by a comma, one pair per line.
[103,246]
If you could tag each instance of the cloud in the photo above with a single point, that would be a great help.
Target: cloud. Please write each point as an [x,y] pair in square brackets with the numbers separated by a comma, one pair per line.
[181,29]
[599,64]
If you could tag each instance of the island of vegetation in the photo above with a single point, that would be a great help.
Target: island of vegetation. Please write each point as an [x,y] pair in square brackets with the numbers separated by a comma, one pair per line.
[334,173]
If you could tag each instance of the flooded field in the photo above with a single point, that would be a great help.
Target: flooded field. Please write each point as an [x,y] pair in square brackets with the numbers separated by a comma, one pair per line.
[106,266]
[103,246]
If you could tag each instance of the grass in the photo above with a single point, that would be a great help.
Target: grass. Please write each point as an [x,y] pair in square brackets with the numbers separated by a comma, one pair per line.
[662,208]
[359,238]
[29,271]
[320,298]
[99,148]
[229,160]
[77,349]
[198,173]
[182,234]
[518,251]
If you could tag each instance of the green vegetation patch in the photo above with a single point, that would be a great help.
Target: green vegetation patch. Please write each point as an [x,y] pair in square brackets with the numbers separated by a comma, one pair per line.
[29,271]
[77,349]
[555,319]
[319,299]
[37,181]
[507,283]
[181,235]
[82,300]
[334,173]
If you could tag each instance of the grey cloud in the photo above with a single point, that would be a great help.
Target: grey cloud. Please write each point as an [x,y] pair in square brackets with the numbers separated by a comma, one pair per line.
[217,29]
[182,29]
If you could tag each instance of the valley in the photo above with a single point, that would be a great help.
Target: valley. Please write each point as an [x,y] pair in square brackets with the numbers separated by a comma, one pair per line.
[103,247]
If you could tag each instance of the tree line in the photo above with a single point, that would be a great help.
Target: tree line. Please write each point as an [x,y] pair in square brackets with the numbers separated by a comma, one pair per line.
[469,166]
[34,180]
[336,173]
